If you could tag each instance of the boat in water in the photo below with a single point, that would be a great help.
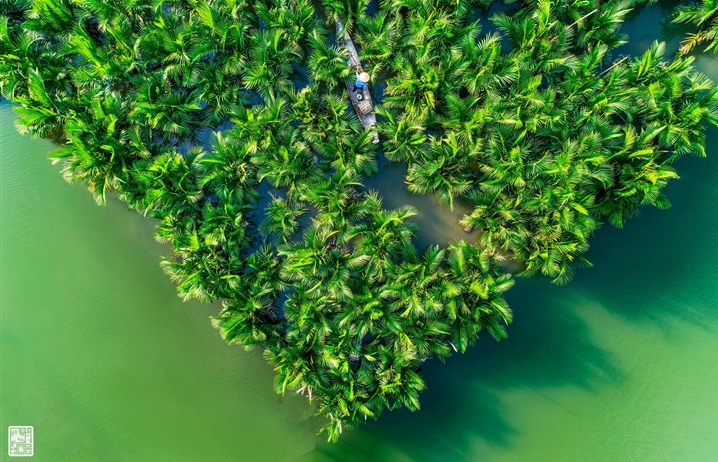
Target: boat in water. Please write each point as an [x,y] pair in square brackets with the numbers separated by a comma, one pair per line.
[361,99]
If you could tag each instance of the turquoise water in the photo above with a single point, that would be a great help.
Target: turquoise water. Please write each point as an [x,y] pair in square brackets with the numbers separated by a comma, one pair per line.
[102,357]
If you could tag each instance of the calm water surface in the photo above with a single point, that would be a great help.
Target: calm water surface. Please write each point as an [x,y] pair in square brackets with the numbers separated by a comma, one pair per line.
[102,357]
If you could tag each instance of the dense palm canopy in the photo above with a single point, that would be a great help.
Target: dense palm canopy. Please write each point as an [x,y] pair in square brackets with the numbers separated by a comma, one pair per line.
[545,137]
[538,126]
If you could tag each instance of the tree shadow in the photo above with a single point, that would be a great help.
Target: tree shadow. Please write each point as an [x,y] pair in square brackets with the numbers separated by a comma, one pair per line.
[650,271]
[642,23]
[462,406]
[659,267]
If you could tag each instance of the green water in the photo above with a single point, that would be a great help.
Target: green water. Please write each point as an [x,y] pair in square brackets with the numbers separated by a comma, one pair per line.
[101,356]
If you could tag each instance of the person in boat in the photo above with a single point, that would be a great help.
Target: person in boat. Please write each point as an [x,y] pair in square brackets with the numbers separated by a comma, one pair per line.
[362,78]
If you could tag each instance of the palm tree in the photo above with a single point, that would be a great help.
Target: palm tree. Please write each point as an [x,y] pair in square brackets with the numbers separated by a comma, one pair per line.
[228,172]
[480,305]
[323,116]
[402,138]
[42,111]
[55,17]
[96,152]
[226,226]
[704,15]
[168,116]
[288,163]
[378,37]
[170,181]
[326,64]
[417,287]
[282,219]
[261,125]
[442,171]
[338,201]
[350,152]
[295,19]
[384,237]
[250,316]
[319,266]
[270,63]
[346,11]
[177,43]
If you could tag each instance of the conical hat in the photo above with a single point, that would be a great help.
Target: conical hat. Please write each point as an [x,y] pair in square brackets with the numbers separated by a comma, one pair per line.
[364,77]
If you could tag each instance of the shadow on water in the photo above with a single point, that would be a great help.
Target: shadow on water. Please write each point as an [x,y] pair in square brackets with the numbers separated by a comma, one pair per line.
[642,24]
[462,408]
[639,275]
[638,269]
[668,255]
[550,347]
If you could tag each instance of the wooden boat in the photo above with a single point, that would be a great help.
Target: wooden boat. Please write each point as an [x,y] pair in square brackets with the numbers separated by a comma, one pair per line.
[363,105]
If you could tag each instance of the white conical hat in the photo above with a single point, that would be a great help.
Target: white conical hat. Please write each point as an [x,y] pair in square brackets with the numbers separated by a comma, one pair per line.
[364,77]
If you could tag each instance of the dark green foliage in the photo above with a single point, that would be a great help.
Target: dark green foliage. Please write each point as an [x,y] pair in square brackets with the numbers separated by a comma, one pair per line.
[704,15]
[546,138]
